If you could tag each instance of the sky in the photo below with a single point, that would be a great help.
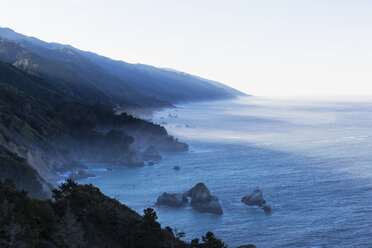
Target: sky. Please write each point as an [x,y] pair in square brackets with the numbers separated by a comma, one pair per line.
[262,47]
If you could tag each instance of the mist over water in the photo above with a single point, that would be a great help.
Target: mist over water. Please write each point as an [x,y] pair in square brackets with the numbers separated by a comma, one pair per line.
[312,160]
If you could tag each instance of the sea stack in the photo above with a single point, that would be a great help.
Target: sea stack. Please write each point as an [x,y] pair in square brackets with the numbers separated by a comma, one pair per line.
[172,200]
[203,201]
[255,198]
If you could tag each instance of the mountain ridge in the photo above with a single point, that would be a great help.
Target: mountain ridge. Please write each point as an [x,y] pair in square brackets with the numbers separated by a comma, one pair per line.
[160,86]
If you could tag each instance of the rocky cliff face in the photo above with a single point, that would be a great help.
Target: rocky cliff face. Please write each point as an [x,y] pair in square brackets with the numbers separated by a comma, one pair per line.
[24,177]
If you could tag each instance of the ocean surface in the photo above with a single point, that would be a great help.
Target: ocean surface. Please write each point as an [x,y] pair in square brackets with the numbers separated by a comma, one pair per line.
[311,158]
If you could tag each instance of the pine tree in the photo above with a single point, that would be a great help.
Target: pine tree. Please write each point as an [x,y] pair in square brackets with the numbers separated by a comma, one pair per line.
[10,231]
[151,235]
[209,241]
[69,232]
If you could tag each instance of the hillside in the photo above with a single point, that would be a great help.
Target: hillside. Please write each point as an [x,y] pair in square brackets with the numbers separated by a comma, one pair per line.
[121,82]
[54,132]
[81,216]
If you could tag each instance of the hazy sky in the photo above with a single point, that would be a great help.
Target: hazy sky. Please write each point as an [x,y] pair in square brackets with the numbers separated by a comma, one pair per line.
[263,47]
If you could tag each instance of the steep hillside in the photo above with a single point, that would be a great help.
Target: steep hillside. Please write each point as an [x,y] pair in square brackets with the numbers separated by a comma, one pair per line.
[64,79]
[23,175]
[117,90]
[55,132]
[112,76]
[81,216]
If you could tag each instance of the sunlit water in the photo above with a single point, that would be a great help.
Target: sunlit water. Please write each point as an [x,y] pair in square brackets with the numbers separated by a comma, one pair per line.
[312,159]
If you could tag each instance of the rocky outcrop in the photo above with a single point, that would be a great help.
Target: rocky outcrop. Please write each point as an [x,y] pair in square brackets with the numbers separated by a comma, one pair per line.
[151,163]
[212,206]
[199,192]
[23,175]
[173,200]
[266,207]
[151,153]
[80,174]
[203,201]
[255,198]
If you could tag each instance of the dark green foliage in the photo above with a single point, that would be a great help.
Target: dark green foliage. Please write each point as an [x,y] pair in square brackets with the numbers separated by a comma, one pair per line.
[28,116]
[81,216]
[151,234]
[23,220]
[209,241]
[69,232]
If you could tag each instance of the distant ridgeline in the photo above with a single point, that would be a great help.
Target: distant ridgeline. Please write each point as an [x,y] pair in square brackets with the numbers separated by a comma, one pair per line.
[92,77]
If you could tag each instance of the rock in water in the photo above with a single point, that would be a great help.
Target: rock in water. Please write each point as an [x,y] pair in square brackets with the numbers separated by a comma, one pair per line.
[176,167]
[213,206]
[266,207]
[255,198]
[151,163]
[199,192]
[203,201]
[173,200]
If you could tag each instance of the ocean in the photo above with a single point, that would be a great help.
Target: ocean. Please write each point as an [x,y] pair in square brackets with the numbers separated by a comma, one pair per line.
[312,159]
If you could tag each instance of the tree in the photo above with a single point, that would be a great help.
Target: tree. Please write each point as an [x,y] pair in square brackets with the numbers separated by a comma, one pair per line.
[195,243]
[179,234]
[173,238]
[209,241]
[151,234]
[69,232]
[10,231]
[65,190]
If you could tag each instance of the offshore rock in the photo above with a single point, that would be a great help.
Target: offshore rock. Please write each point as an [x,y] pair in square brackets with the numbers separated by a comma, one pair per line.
[255,198]
[203,201]
[173,200]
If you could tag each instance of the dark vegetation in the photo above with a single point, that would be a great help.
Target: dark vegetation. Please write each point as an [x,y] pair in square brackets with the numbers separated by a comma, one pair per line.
[81,216]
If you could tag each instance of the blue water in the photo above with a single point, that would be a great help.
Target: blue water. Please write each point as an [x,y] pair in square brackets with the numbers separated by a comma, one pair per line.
[312,160]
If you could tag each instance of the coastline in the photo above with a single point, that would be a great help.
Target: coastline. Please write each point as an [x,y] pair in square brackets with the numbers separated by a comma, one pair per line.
[293,183]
